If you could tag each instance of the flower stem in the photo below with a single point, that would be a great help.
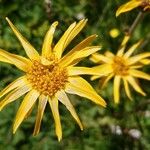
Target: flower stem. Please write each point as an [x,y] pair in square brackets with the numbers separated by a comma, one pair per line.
[136,22]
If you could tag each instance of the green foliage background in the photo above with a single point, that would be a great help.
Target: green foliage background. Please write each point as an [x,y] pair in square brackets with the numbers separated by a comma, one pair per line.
[105,129]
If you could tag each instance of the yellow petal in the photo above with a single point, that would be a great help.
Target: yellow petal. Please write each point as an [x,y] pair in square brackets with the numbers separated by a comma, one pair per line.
[99,57]
[109,54]
[98,70]
[117,80]
[81,87]
[106,80]
[14,95]
[25,106]
[139,74]
[20,62]
[127,90]
[68,36]
[138,57]
[86,42]
[17,83]
[41,107]
[123,46]
[29,49]
[3,59]
[54,107]
[77,56]
[128,6]
[95,77]
[145,61]
[135,85]
[47,44]
[63,98]
[132,49]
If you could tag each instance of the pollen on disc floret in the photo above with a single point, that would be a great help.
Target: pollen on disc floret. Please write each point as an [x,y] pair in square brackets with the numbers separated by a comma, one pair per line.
[47,79]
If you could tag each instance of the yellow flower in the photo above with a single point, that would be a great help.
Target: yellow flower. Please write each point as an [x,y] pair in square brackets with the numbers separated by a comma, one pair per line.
[50,76]
[122,66]
[144,4]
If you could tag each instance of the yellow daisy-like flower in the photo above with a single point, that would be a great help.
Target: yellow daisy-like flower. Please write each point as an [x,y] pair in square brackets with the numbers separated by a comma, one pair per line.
[122,66]
[144,4]
[50,76]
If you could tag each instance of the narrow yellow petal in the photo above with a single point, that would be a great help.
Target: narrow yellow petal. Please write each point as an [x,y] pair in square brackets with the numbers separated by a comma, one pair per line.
[145,61]
[132,49]
[63,98]
[117,80]
[54,107]
[99,57]
[15,84]
[68,37]
[79,55]
[47,44]
[59,47]
[135,85]
[86,42]
[139,74]
[19,61]
[95,77]
[138,57]
[41,107]
[14,95]
[25,106]
[109,54]
[98,70]
[128,6]
[3,59]
[29,49]
[127,90]
[81,87]
[105,80]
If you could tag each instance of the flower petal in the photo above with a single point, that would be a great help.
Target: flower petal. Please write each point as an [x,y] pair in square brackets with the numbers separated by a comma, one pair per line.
[14,95]
[81,87]
[99,57]
[109,54]
[86,42]
[68,36]
[20,62]
[117,80]
[3,59]
[54,107]
[15,84]
[63,98]
[132,49]
[29,49]
[25,106]
[128,6]
[105,80]
[135,85]
[78,55]
[98,70]
[127,90]
[41,107]
[139,74]
[138,57]
[47,49]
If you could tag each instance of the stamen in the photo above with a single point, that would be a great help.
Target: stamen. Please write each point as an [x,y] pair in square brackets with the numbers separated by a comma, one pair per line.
[47,79]
[145,5]
[119,66]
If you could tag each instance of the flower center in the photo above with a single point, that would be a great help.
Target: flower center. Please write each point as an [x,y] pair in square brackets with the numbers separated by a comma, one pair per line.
[47,79]
[145,5]
[119,66]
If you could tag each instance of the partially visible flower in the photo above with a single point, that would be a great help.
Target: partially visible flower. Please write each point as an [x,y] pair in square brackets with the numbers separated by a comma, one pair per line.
[144,4]
[121,66]
[50,76]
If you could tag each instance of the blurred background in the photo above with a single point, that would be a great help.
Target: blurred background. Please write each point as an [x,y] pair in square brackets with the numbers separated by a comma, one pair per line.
[118,127]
